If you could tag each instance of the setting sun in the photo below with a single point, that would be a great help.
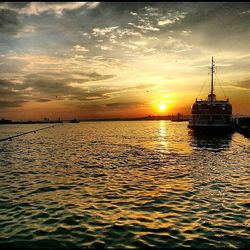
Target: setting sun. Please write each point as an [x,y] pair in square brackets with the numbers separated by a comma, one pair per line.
[162,107]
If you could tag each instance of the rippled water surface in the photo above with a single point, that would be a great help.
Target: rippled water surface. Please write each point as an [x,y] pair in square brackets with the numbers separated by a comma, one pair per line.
[123,184]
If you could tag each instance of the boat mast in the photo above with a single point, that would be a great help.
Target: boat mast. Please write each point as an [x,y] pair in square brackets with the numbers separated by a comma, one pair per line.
[212,78]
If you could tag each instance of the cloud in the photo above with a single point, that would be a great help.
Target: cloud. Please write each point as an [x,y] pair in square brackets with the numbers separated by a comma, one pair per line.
[36,8]
[56,85]
[9,22]
[152,11]
[103,31]
[244,84]
[245,12]
[14,5]
[145,27]
[9,96]
[102,47]
[27,30]
[210,25]
[11,104]
[51,89]
[83,77]
[166,21]
[48,86]
[122,105]
[43,100]
[133,13]
[4,83]
[80,48]
[171,18]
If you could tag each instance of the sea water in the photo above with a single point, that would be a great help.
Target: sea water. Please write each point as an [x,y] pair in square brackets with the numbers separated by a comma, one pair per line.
[123,184]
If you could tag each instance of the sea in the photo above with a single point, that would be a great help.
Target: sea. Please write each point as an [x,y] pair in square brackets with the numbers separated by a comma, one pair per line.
[123,184]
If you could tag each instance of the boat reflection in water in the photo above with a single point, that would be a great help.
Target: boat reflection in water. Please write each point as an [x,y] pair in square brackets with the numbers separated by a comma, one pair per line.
[210,141]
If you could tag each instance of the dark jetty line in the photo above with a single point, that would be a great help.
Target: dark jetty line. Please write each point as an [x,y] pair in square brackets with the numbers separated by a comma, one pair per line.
[242,125]
[244,130]
[33,131]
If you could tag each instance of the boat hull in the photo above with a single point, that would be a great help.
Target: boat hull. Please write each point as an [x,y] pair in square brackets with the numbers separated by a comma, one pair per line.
[212,128]
[245,130]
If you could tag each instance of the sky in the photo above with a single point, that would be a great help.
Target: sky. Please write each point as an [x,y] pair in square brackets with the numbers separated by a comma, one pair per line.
[89,60]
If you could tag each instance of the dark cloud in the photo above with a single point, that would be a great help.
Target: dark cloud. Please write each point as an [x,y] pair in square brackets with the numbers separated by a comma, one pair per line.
[90,77]
[11,104]
[9,97]
[4,83]
[53,86]
[9,21]
[14,95]
[60,89]
[210,23]
[43,100]
[12,66]
[67,77]
[17,5]
[136,87]
[10,90]
[244,84]
[120,105]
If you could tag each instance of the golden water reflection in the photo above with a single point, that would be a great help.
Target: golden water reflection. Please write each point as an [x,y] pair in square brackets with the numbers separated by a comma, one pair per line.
[171,138]
[163,139]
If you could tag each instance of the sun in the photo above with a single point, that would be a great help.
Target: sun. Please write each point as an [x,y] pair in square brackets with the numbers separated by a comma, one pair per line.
[162,106]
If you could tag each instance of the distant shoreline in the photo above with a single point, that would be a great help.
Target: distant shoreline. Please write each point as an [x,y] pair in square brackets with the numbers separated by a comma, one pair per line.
[172,118]
[147,118]
[28,122]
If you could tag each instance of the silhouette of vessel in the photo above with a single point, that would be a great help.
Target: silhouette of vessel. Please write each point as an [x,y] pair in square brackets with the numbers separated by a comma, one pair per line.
[212,115]
[179,118]
[243,126]
[74,121]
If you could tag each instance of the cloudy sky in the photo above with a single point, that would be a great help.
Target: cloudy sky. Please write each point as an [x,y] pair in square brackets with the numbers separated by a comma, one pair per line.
[107,59]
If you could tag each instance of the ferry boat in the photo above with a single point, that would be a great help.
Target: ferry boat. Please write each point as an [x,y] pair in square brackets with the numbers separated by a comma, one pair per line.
[212,115]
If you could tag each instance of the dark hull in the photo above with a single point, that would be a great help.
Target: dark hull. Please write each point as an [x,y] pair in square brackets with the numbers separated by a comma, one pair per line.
[244,130]
[212,128]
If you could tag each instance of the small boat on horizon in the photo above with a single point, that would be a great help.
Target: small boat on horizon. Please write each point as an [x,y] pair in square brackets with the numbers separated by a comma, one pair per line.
[74,121]
[179,118]
[212,115]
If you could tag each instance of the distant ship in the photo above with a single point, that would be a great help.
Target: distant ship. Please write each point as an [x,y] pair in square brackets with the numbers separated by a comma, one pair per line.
[211,114]
[179,118]
[74,120]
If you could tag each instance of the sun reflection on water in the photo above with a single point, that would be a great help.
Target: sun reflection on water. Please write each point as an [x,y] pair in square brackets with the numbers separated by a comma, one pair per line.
[163,140]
